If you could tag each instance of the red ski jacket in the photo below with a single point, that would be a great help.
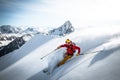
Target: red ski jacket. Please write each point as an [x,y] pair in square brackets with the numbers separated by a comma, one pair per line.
[71,48]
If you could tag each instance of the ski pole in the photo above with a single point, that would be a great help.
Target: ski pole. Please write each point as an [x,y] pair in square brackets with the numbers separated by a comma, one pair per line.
[49,53]
[92,52]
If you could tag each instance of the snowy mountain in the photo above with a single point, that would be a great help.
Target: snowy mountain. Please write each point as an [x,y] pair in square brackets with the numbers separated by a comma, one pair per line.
[10,35]
[31,30]
[15,44]
[9,29]
[63,30]
[11,42]
[12,38]
[101,46]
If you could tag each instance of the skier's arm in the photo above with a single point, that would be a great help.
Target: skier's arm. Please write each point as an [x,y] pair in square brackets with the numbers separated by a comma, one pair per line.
[78,48]
[64,45]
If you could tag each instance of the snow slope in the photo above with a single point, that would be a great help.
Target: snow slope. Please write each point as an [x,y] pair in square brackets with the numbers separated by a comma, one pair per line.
[25,63]
[103,65]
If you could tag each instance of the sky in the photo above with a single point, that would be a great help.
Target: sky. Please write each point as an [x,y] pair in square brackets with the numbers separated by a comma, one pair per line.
[53,13]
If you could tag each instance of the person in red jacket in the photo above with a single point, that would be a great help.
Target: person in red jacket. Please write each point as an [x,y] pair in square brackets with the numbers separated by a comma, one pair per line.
[71,48]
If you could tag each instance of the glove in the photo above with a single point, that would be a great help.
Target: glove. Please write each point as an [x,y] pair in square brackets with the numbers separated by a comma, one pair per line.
[77,54]
[58,47]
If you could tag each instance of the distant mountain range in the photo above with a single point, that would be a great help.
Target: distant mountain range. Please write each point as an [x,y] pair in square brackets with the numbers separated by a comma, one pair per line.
[8,29]
[5,29]
[12,38]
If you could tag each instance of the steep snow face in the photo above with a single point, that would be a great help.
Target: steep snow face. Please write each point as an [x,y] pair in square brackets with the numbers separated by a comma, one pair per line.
[5,39]
[15,44]
[94,66]
[63,30]
[34,44]
[25,63]
[25,55]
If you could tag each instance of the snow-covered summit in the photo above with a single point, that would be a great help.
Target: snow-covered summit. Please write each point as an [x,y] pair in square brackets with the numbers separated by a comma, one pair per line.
[30,30]
[64,29]
[9,29]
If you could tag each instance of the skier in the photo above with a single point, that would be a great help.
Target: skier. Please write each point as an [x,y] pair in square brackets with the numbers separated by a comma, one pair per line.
[71,48]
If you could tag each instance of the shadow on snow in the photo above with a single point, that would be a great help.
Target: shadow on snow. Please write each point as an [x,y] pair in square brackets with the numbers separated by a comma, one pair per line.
[104,54]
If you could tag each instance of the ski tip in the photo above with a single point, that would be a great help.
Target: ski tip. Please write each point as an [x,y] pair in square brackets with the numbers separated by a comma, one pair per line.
[81,54]
[45,71]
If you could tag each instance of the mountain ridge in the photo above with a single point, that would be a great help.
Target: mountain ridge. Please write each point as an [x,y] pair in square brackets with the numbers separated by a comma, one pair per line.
[63,30]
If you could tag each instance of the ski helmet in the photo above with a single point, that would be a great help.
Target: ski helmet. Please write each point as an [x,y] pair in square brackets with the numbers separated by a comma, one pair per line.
[68,41]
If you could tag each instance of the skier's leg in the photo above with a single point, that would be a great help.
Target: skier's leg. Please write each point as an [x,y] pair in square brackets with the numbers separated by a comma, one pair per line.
[64,60]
